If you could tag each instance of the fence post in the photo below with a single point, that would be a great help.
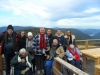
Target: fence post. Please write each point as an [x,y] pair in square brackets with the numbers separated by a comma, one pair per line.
[1,67]
[86,44]
[57,65]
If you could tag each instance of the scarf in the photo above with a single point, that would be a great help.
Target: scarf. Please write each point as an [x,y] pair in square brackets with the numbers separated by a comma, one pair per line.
[53,51]
[27,62]
[42,41]
[74,53]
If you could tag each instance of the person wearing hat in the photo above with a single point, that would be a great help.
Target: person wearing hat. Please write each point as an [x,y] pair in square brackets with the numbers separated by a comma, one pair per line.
[9,41]
[22,63]
[29,48]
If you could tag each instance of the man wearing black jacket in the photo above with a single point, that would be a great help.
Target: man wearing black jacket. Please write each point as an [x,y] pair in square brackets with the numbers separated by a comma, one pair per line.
[9,41]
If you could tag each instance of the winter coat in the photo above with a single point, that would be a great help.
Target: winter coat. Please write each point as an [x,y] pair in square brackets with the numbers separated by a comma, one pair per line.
[22,42]
[15,62]
[51,37]
[59,52]
[67,40]
[36,44]
[76,53]
[9,42]
[61,40]
[29,47]
[19,66]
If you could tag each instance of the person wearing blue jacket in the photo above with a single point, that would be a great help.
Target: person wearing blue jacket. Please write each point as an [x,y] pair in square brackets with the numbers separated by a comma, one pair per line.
[61,40]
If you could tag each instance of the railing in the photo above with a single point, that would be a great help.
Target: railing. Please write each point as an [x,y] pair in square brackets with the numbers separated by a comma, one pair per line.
[57,66]
[89,43]
[1,67]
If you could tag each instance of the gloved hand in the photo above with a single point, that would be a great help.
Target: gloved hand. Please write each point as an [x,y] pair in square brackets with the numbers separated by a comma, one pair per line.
[24,71]
[23,60]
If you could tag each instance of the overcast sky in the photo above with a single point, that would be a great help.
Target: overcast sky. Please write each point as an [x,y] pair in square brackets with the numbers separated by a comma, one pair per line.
[51,13]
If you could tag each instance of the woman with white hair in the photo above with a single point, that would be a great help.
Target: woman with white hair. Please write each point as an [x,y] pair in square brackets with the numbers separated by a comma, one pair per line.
[73,55]
[22,63]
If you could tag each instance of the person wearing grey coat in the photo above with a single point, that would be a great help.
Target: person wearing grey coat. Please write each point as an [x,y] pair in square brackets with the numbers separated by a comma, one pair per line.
[29,48]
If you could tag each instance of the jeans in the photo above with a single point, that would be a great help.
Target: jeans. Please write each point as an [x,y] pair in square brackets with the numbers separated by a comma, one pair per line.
[48,67]
[75,63]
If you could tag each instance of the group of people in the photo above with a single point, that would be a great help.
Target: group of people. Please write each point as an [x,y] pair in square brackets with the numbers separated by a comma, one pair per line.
[27,52]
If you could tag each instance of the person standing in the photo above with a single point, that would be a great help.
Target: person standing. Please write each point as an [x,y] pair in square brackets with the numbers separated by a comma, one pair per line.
[40,44]
[22,40]
[70,39]
[61,40]
[29,48]
[9,41]
[50,36]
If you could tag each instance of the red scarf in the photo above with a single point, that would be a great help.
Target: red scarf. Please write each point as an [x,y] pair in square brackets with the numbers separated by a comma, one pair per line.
[74,53]
[42,41]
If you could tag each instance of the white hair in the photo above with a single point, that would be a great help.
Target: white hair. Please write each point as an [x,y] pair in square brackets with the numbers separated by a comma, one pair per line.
[55,40]
[23,50]
[71,46]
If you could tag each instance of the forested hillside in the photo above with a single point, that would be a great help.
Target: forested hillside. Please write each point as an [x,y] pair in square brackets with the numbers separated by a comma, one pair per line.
[79,35]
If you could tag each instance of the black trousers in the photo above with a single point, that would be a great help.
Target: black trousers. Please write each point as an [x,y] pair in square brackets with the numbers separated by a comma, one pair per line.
[40,62]
[8,56]
[33,62]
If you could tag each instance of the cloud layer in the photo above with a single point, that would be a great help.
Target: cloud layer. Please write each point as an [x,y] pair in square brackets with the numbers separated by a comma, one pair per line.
[50,13]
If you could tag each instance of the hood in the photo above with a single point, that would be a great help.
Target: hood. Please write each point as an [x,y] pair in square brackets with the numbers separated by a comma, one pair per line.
[62,34]
[73,36]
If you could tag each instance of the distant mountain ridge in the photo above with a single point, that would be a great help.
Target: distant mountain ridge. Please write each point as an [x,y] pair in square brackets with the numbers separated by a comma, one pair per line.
[96,36]
[90,32]
[15,28]
[81,34]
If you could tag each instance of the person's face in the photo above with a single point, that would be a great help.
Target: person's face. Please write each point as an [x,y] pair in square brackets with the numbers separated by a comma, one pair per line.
[68,33]
[42,31]
[22,33]
[49,32]
[30,37]
[23,54]
[55,42]
[10,31]
[59,32]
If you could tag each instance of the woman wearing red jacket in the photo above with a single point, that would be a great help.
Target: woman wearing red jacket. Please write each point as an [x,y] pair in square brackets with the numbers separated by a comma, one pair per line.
[73,55]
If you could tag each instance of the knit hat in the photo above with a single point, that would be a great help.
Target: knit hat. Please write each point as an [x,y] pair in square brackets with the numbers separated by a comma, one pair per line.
[29,34]
[71,46]
[10,27]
